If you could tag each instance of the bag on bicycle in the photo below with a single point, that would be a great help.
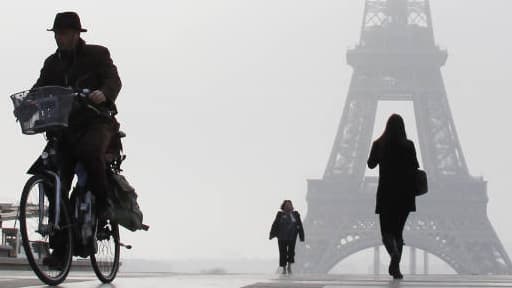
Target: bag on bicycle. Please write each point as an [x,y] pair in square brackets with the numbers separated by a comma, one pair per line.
[125,211]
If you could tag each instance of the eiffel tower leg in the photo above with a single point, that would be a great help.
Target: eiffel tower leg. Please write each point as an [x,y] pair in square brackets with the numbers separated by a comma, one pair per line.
[351,145]
[467,243]
[437,133]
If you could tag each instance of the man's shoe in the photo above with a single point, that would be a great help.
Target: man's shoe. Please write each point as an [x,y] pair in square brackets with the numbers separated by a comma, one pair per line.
[284,271]
[54,261]
[104,212]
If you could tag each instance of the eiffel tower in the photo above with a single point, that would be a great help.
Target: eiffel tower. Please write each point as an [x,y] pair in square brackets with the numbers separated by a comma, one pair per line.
[397,60]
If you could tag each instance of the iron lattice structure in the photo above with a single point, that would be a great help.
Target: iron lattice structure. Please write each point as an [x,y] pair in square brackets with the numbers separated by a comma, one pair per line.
[397,59]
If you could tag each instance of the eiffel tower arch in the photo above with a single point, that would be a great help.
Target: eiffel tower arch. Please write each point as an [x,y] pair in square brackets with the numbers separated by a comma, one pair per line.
[397,59]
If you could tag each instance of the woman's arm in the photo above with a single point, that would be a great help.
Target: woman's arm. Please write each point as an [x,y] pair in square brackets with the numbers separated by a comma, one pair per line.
[300,228]
[372,159]
[274,230]
[414,159]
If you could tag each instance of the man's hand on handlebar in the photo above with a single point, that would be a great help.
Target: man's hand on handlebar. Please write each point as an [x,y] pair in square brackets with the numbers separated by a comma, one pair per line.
[97,97]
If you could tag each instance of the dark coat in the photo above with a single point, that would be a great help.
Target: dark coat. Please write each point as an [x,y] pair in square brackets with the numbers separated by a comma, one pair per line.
[397,166]
[88,67]
[274,231]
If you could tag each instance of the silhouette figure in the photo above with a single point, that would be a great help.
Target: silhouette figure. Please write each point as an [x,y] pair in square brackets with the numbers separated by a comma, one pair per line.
[396,157]
[286,227]
[83,66]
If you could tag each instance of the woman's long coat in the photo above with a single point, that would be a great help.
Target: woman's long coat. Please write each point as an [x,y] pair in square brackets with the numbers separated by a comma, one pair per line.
[397,167]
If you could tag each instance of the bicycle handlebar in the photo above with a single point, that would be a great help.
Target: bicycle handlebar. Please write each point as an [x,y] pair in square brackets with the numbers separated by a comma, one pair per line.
[84,95]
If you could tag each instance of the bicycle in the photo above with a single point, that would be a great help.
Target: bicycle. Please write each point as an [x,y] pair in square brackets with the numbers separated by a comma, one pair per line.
[68,222]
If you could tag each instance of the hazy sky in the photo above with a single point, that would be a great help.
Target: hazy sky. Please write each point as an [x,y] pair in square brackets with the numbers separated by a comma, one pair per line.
[230,106]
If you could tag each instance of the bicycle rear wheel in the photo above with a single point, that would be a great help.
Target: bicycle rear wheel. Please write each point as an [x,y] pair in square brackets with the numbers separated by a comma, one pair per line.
[39,235]
[105,262]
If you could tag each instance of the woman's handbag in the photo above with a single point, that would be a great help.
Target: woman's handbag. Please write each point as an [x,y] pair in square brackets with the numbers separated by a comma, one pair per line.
[421,182]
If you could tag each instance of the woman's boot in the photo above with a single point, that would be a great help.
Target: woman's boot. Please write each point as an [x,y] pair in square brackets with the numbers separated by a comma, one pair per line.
[389,244]
[394,266]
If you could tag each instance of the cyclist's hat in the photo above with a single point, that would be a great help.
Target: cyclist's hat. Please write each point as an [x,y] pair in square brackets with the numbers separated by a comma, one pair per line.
[67,20]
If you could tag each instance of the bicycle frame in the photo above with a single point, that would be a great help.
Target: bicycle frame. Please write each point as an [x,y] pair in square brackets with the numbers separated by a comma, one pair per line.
[43,166]
[82,181]
[58,198]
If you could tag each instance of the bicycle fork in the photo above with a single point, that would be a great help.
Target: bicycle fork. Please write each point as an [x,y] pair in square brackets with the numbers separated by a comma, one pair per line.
[42,228]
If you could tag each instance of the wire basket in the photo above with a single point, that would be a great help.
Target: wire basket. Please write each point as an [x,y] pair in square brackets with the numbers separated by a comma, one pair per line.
[44,108]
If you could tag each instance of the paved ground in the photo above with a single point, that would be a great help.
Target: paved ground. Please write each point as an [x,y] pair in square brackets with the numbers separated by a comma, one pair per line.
[362,281]
[156,280]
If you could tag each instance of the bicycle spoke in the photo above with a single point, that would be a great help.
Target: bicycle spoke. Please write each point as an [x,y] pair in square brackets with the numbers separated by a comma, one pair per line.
[106,260]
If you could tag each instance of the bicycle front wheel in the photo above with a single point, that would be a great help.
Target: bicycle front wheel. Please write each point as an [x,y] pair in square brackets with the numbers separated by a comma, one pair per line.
[105,262]
[48,248]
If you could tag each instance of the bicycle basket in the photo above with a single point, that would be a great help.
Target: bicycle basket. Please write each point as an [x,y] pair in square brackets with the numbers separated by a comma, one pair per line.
[42,108]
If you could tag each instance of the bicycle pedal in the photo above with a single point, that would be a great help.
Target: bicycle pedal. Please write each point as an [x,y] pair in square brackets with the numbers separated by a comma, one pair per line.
[127,246]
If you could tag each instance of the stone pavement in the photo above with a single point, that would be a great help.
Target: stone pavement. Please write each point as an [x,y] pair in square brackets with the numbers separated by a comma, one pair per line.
[363,281]
[19,279]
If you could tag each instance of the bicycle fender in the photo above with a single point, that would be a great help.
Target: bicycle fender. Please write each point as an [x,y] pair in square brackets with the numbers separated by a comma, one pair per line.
[37,167]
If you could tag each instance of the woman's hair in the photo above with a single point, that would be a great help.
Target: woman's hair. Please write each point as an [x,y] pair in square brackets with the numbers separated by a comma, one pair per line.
[284,203]
[395,129]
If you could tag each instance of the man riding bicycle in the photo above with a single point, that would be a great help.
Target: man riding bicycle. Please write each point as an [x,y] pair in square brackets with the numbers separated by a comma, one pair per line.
[82,66]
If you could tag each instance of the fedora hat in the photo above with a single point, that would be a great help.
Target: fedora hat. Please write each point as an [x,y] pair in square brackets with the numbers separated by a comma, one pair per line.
[67,20]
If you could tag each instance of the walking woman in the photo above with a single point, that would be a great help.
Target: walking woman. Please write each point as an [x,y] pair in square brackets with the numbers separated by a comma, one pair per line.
[286,226]
[396,157]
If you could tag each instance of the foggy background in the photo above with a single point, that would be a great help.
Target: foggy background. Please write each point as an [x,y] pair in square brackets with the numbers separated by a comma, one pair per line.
[230,106]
